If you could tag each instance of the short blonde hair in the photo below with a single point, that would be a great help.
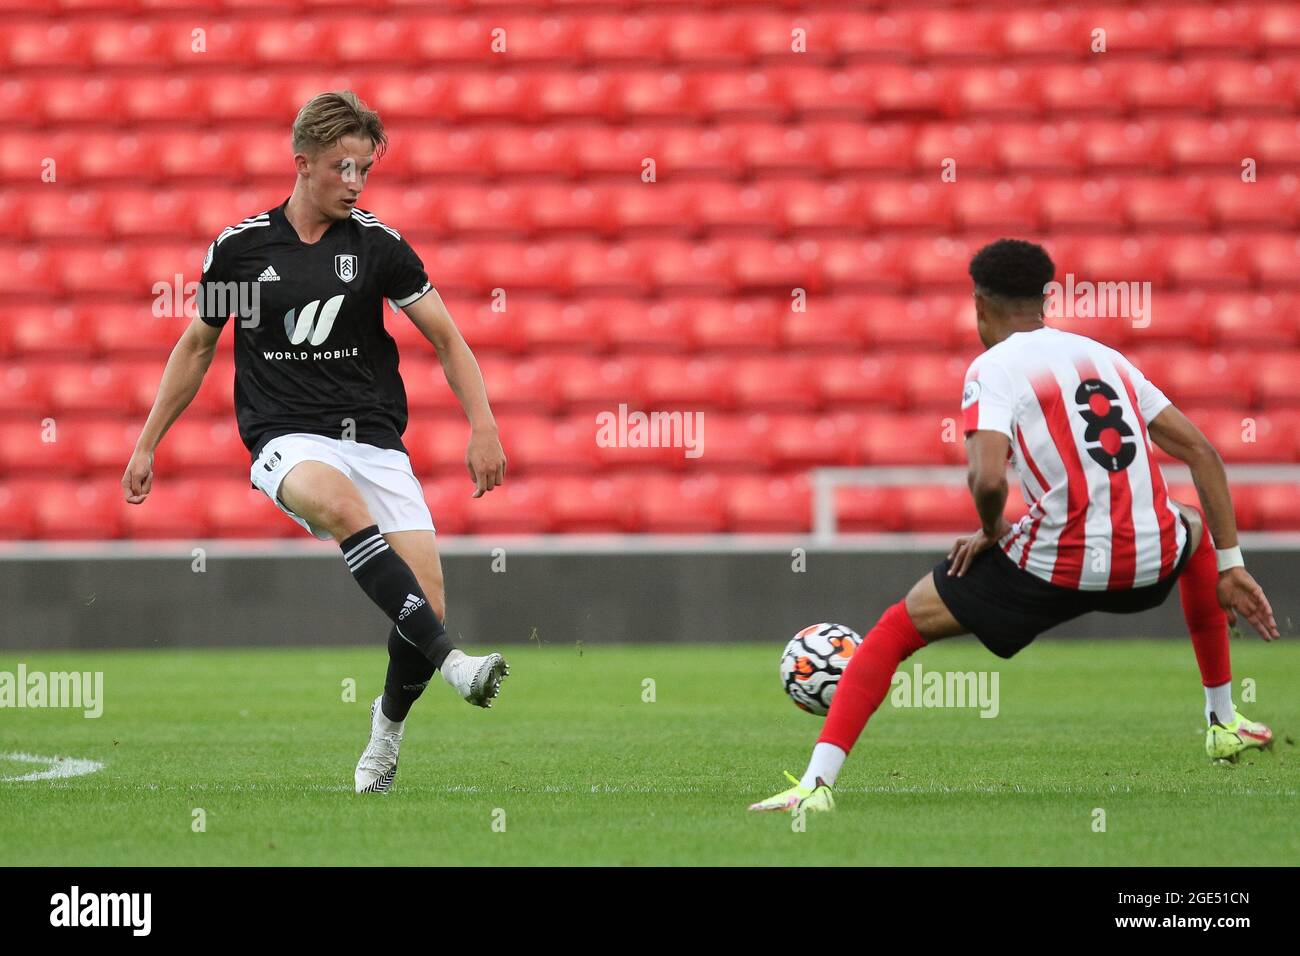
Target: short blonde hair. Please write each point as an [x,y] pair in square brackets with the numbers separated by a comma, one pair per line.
[328,117]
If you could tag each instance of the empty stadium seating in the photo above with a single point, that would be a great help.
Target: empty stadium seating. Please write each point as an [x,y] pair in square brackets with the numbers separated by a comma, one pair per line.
[795,269]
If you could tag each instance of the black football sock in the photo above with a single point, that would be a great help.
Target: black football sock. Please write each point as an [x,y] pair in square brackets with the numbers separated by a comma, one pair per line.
[409,673]
[389,581]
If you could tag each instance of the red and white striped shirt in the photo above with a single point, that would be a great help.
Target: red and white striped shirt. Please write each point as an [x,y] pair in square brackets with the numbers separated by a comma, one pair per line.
[1076,414]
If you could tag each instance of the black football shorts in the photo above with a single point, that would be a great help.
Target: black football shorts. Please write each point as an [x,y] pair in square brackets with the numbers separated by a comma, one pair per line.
[1007,607]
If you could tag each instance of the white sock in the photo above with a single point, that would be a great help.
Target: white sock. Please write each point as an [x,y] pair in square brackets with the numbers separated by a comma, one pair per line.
[384,725]
[1218,700]
[826,762]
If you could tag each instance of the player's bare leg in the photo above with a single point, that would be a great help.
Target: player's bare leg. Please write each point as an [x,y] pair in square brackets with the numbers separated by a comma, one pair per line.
[904,628]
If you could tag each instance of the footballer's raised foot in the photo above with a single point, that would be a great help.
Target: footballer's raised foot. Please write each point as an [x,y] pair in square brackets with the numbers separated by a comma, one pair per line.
[477,679]
[378,764]
[814,799]
[1229,741]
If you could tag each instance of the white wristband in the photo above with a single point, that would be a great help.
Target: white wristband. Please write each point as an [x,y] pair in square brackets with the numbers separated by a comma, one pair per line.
[1229,558]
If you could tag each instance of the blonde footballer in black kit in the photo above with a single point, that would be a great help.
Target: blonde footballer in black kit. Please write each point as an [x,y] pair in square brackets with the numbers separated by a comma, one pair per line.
[322,408]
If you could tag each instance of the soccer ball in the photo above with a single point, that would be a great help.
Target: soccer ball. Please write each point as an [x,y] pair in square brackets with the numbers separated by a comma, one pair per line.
[813,662]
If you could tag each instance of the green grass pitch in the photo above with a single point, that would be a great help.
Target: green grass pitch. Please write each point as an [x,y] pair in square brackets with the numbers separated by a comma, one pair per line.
[581,770]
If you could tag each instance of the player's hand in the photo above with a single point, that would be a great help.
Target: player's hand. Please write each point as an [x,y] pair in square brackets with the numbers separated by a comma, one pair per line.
[138,478]
[965,549]
[486,461]
[1239,593]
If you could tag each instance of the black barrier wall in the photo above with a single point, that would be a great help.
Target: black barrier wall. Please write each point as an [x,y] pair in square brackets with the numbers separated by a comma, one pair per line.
[558,599]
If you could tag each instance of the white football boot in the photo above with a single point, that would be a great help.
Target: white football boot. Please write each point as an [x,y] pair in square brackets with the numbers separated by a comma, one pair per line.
[477,679]
[378,764]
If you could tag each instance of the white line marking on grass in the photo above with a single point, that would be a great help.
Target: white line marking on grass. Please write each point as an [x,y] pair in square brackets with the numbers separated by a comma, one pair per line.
[59,767]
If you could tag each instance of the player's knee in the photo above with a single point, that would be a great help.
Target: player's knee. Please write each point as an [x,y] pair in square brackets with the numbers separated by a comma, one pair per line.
[343,516]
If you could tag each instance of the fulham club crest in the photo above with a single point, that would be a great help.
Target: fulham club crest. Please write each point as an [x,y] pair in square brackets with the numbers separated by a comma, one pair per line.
[345,267]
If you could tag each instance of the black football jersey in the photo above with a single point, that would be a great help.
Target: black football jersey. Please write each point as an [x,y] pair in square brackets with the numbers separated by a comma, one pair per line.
[311,351]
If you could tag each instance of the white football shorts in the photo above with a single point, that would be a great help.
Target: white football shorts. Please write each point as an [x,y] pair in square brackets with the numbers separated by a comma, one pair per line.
[382,475]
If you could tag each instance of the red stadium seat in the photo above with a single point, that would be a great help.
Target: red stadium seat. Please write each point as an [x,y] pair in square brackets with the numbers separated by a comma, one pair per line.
[567,208]
[1215,28]
[1247,85]
[1055,147]
[971,146]
[175,509]
[851,146]
[680,505]
[1077,204]
[45,44]
[558,324]
[1273,258]
[920,323]
[436,444]
[1276,506]
[767,504]
[1277,379]
[529,383]
[1211,143]
[231,508]
[586,382]
[46,330]
[660,324]
[1252,437]
[808,441]
[590,505]
[937,508]
[203,445]
[737,442]
[106,444]
[1079,89]
[1008,204]
[832,323]
[998,91]
[686,383]
[70,510]
[42,446]
[749,324]
[1152,86]
[18,510]
[535,443]
[867,509]
[519,506]
[1248,318]
[783,383]
[916,438]
[426,385]
[1271,203]
[609,38]
[868,382]
[720,150]
[1151,203]
[892,206]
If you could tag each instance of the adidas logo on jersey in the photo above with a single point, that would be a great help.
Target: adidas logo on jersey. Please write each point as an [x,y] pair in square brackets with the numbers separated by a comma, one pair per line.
[412,605]
[269,275]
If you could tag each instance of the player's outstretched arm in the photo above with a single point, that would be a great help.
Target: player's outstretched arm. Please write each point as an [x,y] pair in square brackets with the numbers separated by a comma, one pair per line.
[485,458]
[188,363]
[986,453]
[1238,592]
